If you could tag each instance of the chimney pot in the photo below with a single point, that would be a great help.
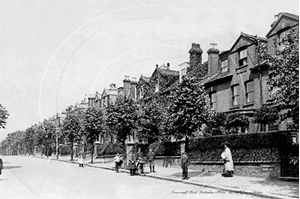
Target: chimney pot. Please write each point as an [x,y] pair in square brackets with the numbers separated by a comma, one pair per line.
[213,45]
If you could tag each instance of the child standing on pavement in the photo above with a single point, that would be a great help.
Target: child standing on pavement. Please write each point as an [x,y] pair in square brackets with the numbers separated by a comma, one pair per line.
[150,157]
[80,159]
[185,162]
[117,162]
[131,165]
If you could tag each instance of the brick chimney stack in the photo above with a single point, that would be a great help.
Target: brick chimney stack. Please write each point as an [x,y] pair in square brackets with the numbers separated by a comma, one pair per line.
[196,61]
[213,59]
[126,82]
[133,84]
[195,55]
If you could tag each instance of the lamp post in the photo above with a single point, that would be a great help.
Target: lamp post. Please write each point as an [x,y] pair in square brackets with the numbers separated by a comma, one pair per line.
[56,141]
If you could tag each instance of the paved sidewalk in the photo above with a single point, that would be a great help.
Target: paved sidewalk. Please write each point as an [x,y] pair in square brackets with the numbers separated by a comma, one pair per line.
[242,184]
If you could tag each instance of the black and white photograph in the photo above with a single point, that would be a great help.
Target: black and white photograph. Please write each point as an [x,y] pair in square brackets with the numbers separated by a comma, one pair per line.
[132,99]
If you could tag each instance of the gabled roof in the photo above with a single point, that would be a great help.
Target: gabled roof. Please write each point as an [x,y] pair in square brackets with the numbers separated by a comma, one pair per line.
[144,79]
[281,16]
[249,38]
[165,72]
[104,93]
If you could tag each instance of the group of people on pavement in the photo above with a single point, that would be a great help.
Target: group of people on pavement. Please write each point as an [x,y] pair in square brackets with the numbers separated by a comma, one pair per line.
[226,157]
[136,164]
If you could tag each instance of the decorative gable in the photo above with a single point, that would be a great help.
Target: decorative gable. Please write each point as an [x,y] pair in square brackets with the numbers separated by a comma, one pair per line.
[285,21]
[240,42]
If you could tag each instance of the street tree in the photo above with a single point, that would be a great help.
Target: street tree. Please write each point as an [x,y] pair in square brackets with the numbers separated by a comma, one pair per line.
[3,116]
[93,125]
[122,116]
[151,115]
[284,76]
[29,139]
[236,123]
[188,109]
[216,124]
[72,127]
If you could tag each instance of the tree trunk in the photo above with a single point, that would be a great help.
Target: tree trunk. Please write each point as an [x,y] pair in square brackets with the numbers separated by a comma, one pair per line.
[71,151]
[124,155]
[92,154]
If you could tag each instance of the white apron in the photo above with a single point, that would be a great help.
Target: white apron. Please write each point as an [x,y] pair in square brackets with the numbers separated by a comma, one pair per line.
[226,155]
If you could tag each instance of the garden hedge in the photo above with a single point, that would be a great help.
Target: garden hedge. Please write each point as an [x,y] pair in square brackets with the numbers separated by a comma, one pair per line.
[111,149]
[166,148]
[249,147]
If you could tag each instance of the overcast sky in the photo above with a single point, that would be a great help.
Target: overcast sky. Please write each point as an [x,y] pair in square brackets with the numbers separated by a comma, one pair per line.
[54,52]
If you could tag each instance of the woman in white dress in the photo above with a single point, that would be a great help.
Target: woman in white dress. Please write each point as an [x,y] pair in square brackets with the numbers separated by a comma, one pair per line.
[228,162]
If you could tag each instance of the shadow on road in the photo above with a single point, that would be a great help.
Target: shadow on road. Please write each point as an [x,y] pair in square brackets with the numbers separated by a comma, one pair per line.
[194,174]
[11,167]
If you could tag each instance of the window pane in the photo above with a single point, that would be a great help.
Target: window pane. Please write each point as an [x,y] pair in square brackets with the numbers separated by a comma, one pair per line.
[235,100]
[250,97]
[243,53]
[235,90]
[250,86]
[224,63]
[213,97]
[213,106]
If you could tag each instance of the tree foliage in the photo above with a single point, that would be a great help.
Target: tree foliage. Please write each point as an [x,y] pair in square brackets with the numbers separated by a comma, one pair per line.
[235,121]
[188,109]
[93,124]
[215,124]
[3,116]
[122,116]
[284,74]
[266,115]
[151,115]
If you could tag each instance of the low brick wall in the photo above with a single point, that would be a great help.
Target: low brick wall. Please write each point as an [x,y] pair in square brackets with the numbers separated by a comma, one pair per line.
[105,158]
[253,169]
[167,161]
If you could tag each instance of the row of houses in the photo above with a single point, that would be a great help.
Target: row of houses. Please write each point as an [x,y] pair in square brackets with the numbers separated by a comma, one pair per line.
[235,79]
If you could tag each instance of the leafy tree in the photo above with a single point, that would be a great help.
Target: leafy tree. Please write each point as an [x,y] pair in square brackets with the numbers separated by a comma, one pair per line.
[215,124]
[93,124]
[3,116]
[122,116]
[188,109]
[266,115]
[150,118]
[235,121]
[72,127]
[284,74]
[49,131]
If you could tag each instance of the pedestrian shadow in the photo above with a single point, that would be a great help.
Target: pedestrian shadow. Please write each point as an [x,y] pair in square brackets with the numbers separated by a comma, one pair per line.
[194,174]
[11,167]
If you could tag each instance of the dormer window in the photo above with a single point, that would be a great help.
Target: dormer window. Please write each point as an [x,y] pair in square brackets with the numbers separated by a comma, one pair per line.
[224,66]
[243,57]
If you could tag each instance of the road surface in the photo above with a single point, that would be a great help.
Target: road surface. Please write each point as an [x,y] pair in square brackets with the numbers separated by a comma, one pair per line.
[30,178]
